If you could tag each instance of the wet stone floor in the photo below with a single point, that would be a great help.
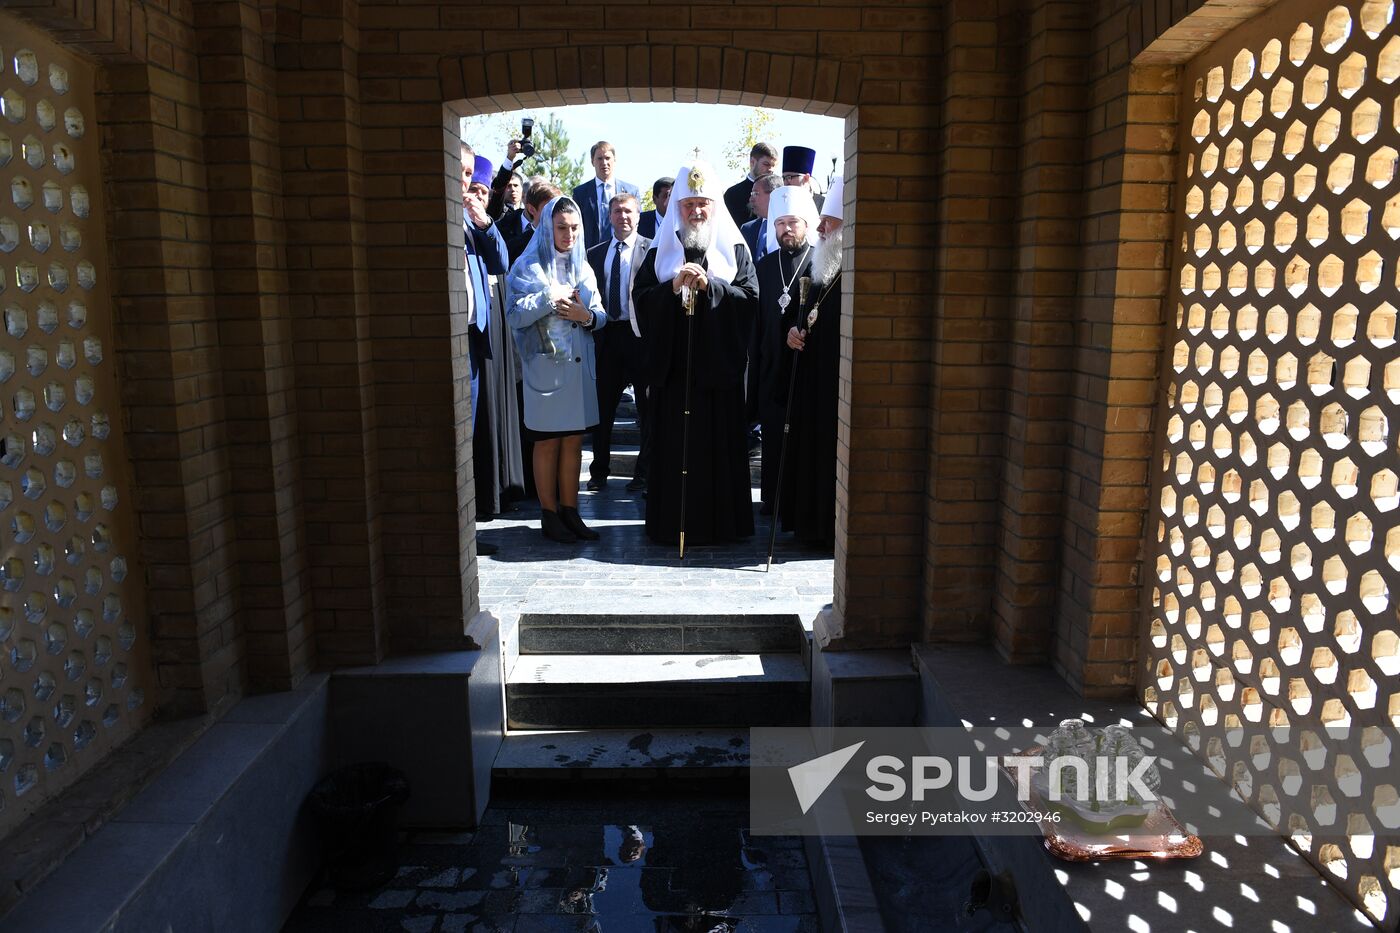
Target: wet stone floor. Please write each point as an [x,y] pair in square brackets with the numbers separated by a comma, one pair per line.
[543,864]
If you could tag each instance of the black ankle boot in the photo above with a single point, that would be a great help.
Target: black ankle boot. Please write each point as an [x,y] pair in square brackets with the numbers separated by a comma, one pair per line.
[574,522]
[554,528]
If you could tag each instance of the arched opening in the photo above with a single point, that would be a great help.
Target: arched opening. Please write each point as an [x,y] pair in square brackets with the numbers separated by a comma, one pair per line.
[539,79]
[647,142]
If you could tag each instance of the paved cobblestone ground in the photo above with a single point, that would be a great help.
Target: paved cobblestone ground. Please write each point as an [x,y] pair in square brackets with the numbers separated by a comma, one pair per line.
[626,573]
[585,865]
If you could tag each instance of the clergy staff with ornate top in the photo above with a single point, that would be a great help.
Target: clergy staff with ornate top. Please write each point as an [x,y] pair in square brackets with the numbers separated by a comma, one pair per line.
[791,238]
[808,492]
[698,484]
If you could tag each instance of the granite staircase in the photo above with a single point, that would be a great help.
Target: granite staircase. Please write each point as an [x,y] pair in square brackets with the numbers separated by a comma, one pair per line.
[648,696]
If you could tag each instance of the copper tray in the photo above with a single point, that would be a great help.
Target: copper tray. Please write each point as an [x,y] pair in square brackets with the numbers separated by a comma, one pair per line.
[1160,836]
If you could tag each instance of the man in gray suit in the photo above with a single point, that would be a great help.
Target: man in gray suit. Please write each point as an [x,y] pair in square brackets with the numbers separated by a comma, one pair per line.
[755,232]
[594,195]
[618,347]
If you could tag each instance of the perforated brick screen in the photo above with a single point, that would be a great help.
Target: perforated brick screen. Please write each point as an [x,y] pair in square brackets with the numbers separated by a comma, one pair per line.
[73,670]
[1275,532]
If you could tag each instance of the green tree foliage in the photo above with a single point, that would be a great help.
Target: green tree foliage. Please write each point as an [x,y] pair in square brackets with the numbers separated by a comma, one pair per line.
[647,202]
[488,134]
[751,130]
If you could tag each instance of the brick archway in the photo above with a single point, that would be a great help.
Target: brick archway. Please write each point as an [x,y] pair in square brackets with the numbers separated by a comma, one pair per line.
[884,407]
[545,77]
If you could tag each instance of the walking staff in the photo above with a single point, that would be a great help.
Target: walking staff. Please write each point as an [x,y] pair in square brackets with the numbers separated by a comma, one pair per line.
[688,301]
[804,285]
[695,358]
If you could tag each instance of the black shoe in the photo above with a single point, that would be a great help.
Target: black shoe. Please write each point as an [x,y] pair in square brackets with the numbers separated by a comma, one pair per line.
[595,484]
[485,550]
[637,485]
[574,522]
[554,528]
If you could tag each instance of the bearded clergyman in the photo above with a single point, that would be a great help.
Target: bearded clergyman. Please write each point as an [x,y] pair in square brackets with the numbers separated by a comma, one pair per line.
[792,234]
[698,255]
[809,474]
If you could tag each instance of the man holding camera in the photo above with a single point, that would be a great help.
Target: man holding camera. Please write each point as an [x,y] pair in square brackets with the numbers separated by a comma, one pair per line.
[595,196]
[507,195]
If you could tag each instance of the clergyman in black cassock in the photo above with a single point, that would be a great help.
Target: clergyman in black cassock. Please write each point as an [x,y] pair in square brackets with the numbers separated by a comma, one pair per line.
[809,475]
[719,504]
[792,217]
[769,353]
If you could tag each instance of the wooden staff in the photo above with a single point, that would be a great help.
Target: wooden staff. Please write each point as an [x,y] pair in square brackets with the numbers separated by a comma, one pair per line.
[688,302]
[804,284]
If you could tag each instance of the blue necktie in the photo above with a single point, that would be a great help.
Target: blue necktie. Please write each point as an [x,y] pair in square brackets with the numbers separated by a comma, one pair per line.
[761,244]
[481,292]
[615,286]
[604,225]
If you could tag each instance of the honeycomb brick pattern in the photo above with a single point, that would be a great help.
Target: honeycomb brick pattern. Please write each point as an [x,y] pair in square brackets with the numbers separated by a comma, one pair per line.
[1276,546]
[72,665]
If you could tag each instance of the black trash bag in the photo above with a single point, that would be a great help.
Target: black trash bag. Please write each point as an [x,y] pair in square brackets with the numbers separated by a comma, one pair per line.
[356,810]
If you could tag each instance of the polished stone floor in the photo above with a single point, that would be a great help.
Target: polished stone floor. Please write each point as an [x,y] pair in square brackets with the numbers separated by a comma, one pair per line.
[630,574]
[586,864]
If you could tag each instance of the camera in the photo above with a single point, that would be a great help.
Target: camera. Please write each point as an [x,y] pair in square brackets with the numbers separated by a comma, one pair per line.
[527,127]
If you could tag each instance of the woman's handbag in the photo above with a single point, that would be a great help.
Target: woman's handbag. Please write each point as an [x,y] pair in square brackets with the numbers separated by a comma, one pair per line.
[553,332]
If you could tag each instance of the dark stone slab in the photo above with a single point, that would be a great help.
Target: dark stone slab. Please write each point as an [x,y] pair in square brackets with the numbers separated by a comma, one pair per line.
[568,706]
[435,717]
[658,634]
[657,754]
[221,833]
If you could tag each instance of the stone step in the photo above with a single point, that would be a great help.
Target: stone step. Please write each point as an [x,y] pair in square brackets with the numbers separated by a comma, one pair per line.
[595,634]
[621,691]
[623,754]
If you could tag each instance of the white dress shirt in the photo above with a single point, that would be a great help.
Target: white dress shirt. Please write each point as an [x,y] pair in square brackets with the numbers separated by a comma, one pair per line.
[626,295]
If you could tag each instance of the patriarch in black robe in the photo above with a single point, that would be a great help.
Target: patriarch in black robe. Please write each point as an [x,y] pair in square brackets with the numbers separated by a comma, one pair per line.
[697,248]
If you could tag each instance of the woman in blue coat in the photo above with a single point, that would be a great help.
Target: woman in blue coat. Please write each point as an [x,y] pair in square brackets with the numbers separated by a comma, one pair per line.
[553,308]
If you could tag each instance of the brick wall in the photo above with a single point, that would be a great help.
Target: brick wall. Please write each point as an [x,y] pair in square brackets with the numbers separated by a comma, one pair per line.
[287,259]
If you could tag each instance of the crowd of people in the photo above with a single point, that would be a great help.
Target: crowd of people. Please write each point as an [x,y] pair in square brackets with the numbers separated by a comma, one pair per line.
[720,308]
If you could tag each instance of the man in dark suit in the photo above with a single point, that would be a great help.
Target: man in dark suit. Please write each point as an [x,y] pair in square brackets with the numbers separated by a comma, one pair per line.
[661,197]
[755,232]
[618,346]
[513,221]
[594,195]
[763,159]
[541,193]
